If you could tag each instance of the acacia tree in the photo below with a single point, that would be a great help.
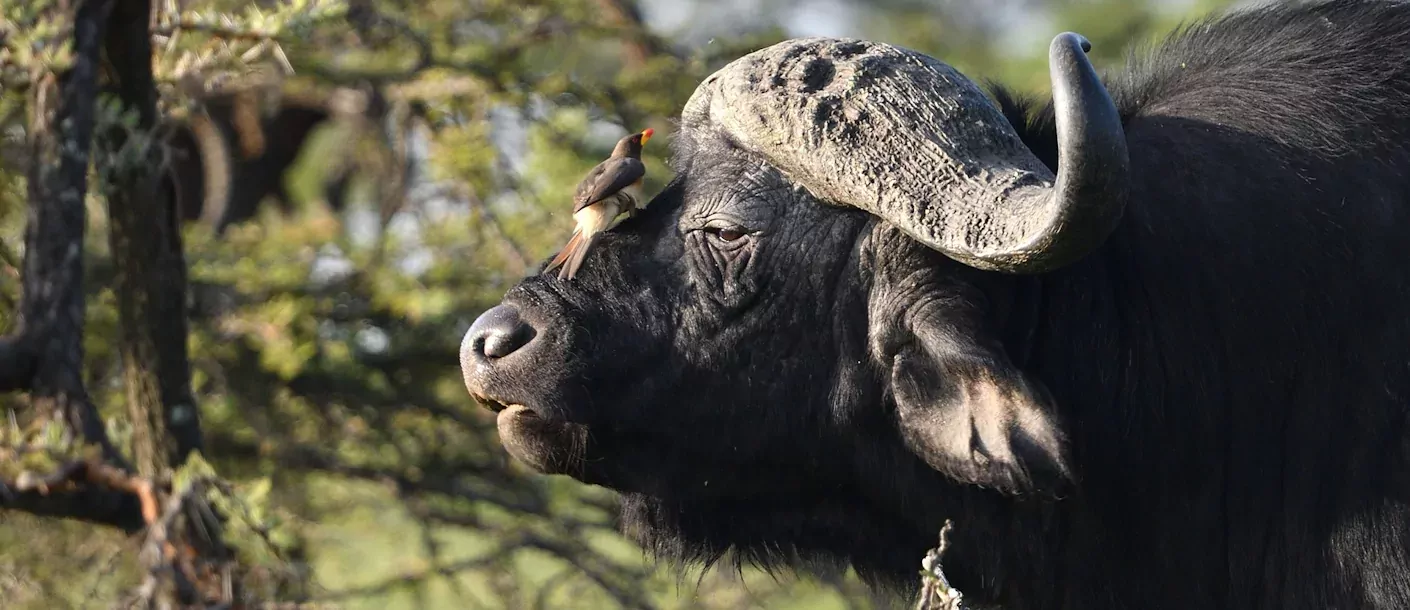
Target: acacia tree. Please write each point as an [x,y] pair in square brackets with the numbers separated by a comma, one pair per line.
[79,472]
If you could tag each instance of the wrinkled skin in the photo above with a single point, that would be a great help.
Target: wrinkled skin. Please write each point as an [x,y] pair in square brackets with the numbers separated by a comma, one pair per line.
[686,297]
[1207,411]
[667,256]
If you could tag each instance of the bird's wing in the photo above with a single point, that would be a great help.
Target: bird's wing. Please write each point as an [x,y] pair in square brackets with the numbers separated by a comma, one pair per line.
[607,178]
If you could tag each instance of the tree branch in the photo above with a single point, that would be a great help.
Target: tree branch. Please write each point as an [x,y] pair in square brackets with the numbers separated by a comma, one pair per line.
[366,19]
[86,491]
[637,41]
[503,552]
[517,256]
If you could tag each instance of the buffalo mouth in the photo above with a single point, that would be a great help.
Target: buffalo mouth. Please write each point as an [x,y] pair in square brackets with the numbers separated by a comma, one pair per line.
[538,438]
[493,404]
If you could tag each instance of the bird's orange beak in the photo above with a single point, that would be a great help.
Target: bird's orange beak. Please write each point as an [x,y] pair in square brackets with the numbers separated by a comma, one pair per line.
[646,135]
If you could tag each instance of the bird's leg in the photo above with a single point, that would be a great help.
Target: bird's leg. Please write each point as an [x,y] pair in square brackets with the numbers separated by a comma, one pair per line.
[632,203]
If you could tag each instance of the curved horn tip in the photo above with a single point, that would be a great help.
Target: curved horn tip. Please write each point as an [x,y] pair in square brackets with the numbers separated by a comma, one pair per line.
[1071,38]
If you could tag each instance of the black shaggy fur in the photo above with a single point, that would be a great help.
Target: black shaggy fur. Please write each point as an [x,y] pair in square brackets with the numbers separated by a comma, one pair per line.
[1230,370]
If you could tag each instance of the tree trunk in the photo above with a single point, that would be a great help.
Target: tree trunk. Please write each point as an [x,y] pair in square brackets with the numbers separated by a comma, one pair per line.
[145,237]
[146,246]
[45,356]
[52,314]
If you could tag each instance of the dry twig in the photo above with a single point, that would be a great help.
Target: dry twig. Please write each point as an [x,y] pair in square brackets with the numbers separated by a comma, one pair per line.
[935,591]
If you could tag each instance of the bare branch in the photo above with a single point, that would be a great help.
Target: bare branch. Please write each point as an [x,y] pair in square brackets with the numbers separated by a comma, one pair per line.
[501,553]
[936,592]
[518,257]
[86,490]
[219,31]
[638,42]
[366,19]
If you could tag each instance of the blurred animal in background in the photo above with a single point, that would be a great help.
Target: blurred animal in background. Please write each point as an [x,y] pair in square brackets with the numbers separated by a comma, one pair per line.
[235,149]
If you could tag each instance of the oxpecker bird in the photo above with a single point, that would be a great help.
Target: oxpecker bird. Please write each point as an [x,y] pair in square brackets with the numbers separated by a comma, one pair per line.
[611,188]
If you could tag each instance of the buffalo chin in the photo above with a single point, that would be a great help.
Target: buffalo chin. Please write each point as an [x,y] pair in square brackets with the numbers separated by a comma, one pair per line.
[548,445]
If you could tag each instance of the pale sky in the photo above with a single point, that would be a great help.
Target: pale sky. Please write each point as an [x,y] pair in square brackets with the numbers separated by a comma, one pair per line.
[838,18]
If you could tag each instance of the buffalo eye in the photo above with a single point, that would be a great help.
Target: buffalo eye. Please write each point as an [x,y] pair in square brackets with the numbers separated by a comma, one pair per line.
[726,234]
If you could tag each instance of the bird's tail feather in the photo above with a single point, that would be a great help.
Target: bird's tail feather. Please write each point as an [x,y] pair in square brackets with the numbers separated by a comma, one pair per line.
[567,251]
[592,221]
[575,259]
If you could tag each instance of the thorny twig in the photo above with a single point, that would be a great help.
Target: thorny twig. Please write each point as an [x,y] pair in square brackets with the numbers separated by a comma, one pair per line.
[183,552]
[936,592]
[159,555]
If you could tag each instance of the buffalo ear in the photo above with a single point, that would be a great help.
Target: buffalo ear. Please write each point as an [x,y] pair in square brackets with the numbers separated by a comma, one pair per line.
[966,411]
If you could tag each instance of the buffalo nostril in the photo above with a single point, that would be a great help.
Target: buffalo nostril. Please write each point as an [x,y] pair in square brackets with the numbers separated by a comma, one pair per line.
[499,332]
[499,346]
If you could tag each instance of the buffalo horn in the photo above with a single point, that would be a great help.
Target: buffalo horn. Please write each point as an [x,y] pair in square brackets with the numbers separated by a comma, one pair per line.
[911,140]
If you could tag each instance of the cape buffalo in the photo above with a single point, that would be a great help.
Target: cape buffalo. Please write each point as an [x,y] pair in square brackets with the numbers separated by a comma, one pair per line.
[1147,344]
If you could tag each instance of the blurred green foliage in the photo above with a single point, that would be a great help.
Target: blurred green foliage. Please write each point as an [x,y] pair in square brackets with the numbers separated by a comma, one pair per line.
[324,346]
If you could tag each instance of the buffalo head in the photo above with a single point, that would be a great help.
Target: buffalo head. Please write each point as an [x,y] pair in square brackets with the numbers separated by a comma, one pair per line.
[801,348]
